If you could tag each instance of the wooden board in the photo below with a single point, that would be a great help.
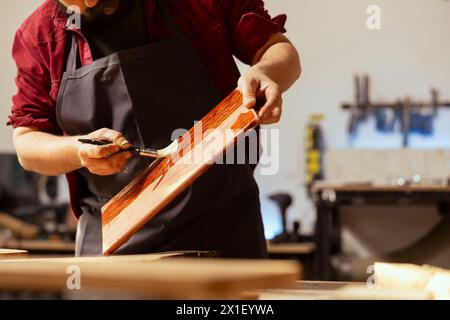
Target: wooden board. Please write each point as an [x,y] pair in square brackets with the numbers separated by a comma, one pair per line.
[362,292]
[291,248]
[144,258]
[170,278]
[434,281]
[317,290]
[12,254]
[41,245]
[19,228]
[149,193]
[369,187]
[125,258]
[301,290]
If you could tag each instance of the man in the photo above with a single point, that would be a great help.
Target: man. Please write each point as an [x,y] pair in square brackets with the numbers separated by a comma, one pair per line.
[131,73]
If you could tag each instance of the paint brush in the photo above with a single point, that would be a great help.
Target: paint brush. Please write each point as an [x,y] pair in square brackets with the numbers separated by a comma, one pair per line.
[143,152]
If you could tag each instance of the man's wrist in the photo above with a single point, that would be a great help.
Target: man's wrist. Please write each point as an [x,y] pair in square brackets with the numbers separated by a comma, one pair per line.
[74,145]
[259,68]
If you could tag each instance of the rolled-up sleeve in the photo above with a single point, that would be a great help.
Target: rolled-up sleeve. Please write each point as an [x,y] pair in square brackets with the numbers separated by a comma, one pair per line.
[249,26]
[33,105]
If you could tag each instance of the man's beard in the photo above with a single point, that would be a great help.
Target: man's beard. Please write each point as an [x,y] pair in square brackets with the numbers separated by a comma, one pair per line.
[105,11]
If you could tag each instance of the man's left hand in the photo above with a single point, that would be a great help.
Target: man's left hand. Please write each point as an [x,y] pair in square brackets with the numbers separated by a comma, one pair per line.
[256,86]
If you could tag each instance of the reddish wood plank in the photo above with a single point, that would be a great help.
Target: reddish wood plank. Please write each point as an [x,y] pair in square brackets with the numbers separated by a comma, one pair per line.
[155,188]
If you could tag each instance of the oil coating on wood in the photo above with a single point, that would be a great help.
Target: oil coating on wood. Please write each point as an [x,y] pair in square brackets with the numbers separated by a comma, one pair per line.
[158,185]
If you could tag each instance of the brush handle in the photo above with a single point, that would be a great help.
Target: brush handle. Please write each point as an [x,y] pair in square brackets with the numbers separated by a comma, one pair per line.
[105,143]
[95,142]
[147,153]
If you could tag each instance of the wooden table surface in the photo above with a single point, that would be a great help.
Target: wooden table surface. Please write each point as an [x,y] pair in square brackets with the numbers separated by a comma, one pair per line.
[12,254]
[316,290]
[291,248]
[301,290]
[185,278]
[160,276]
[40,245]
[368,187]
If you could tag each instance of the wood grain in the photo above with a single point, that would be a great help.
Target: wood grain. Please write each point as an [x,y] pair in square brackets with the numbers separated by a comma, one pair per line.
[170,278]
[157,186]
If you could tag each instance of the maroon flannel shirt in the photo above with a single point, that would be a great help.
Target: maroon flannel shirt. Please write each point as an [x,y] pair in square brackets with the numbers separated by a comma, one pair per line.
[217,29]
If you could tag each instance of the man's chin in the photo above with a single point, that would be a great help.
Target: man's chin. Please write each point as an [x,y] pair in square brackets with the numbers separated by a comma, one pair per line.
[104,11]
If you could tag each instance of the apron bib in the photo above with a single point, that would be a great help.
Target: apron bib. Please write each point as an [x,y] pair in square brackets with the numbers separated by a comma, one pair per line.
[146,93]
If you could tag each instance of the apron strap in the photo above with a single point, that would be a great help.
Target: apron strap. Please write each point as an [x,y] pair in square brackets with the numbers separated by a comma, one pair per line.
[71,64]
[169,19]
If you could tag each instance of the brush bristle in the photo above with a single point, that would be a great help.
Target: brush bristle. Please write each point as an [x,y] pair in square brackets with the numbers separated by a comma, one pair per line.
[171,149]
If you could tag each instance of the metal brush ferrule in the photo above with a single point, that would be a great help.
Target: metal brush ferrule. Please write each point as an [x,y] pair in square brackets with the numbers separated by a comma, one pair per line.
[149,153]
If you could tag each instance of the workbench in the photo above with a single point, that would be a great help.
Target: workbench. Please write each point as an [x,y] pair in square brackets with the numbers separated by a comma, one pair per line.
[329,198]
[301,290]
[328,290]
[41,246]
[173,275]
[177,275]
[13,254]
[302,252]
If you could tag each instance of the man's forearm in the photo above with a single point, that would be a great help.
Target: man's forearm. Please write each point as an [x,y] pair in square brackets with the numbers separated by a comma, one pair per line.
[46,153]
[276,66]
[281,63]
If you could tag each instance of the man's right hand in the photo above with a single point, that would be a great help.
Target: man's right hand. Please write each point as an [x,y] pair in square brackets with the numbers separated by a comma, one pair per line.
[105,160]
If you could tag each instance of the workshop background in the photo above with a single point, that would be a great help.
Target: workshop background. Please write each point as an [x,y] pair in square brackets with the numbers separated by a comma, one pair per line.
[405,59]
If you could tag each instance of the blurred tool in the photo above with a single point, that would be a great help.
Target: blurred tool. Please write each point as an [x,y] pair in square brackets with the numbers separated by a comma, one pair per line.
[412,117]
[315,148]
[297,235]
[359,110]
[19,228]
[28,200]
[284,201]
[421,121]
[386,119]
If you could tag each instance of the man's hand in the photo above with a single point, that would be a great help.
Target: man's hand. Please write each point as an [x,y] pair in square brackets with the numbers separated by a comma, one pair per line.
[276,66]
[54,155]
[256,86]
[105,160]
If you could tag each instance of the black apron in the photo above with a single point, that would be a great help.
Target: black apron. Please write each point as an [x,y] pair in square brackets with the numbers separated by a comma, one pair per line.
[145,93]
